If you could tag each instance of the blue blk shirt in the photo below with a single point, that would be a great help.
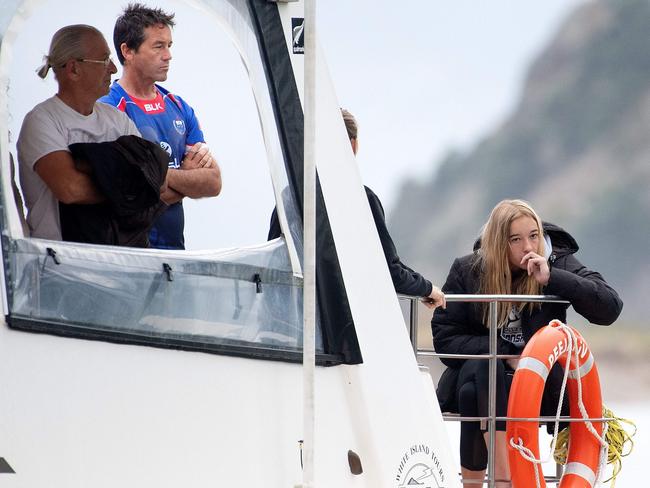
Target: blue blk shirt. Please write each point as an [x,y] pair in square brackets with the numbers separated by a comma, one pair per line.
[170,122]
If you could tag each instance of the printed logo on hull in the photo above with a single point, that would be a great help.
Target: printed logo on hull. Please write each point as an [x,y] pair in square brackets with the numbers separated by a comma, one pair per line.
[298,35]
[420,467]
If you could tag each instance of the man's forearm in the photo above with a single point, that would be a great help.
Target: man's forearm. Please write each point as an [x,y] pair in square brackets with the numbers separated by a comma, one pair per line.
[170,196]
[90,195]
[69,185]
[83,191]
[195,183]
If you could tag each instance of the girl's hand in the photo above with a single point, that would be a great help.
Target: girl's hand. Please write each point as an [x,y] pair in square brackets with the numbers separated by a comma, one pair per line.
[537,267]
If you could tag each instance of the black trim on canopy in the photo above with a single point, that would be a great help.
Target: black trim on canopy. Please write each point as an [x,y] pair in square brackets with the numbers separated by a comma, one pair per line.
[339,335]
[198,344]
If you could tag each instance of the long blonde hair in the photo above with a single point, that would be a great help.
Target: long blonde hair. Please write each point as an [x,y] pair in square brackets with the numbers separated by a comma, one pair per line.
[496,277]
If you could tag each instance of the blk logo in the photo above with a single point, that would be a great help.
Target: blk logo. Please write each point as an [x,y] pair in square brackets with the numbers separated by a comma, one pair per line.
[153,107]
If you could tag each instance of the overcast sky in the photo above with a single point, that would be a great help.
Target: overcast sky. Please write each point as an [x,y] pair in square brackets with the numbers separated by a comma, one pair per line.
[422,76]
[427,76]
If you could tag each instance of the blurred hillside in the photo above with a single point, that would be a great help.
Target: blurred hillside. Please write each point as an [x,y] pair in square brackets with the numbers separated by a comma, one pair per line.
[577,146]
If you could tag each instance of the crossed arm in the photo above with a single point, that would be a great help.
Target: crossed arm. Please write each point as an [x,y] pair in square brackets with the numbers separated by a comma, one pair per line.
[199,176]
[68,184]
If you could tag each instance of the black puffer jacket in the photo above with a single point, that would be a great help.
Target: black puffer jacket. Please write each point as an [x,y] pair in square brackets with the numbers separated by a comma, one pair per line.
[460,329]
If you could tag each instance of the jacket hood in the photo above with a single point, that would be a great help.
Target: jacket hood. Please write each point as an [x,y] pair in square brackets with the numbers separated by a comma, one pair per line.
[562,241]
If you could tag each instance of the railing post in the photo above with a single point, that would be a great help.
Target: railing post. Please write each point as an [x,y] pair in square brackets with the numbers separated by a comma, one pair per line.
[492,392]
[413,325]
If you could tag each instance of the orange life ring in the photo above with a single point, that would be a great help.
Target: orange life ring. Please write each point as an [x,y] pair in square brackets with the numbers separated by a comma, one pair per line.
[548,345]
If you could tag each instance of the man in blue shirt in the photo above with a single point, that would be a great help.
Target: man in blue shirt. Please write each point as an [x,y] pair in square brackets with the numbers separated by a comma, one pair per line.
[143,38]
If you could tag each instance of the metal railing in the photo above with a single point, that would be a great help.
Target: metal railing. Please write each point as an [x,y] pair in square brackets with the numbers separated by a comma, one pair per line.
[492,357]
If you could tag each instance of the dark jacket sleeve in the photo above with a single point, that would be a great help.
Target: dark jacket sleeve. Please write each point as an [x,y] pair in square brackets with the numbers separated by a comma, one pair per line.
[587,290]
[459,328]
[405,280]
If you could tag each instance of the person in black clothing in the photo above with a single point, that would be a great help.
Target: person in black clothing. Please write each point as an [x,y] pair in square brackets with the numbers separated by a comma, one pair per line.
[405,280]
[516,254]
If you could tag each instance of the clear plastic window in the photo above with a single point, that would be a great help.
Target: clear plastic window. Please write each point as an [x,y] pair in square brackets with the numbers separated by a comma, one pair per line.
[236,297]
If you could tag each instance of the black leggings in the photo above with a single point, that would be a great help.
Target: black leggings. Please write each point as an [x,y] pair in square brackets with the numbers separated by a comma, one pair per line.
[473,401]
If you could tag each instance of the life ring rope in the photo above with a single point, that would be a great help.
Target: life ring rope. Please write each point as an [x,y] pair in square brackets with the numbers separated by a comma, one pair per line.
[575,371]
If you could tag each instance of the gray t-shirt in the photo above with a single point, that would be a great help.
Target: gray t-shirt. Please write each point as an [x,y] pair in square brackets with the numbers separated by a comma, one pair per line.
[511,330]
[52,126]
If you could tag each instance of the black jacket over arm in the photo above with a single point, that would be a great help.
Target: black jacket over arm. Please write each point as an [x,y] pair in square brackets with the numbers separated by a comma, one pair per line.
[129,172]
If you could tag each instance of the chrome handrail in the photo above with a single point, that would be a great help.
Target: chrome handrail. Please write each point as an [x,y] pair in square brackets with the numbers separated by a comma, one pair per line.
[563,418]
[492,357]
[432,353]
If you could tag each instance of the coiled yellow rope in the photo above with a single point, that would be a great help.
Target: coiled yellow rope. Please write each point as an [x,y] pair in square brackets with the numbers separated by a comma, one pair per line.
[616,436]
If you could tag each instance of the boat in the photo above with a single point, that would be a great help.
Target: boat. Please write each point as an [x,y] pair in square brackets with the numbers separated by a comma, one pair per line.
[142,367]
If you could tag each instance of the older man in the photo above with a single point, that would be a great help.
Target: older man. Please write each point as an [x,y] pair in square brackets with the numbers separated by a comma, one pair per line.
[80,59]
